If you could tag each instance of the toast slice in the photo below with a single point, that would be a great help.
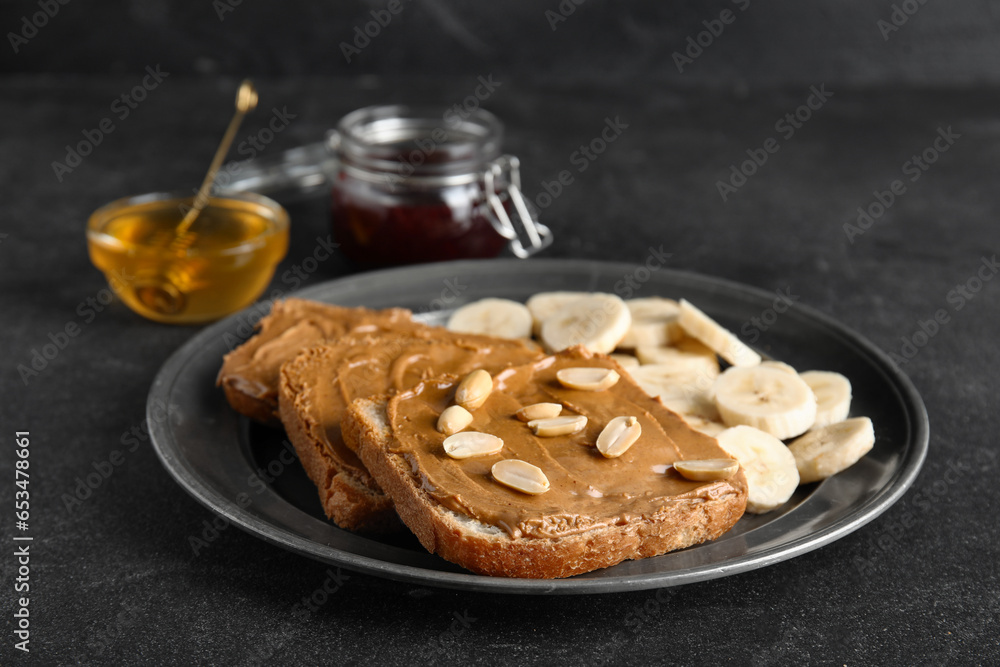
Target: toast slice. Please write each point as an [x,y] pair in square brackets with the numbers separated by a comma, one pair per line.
[317,386]
[249,374]
[597,512]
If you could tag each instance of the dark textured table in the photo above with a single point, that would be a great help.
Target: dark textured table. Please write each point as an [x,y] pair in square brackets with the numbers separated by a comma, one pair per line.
[113,578]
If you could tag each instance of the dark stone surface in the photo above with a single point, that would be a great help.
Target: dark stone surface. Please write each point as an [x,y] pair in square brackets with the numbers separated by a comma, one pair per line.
[114,580]
[764,43]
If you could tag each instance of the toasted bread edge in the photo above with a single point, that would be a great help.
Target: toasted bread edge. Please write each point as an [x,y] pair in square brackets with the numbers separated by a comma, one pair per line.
[489,550]
[349,502]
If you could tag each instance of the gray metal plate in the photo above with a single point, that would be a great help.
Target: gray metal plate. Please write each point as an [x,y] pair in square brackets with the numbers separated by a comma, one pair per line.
[247,473]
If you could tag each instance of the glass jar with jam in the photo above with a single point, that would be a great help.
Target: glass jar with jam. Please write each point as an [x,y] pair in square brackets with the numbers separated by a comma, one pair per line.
[411,187]
[408,186]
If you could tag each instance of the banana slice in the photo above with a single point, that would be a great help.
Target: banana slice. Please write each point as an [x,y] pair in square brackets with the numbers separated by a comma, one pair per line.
[626,361]
[669,380]
[826,451]
[682,391]
[654,323]
[545,304]
[688,354]
[780,365]
[768,465]
[492,317]
[833,396]
[697,411]
[769,399]
[596,321]
[655,308]
[713,334]
[710,428]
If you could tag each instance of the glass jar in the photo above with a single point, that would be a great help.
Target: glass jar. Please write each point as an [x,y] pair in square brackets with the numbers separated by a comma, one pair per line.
[411,187]
[408,186]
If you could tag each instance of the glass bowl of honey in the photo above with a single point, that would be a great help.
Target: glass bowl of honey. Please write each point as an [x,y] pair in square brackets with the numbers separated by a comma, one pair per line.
[220,265]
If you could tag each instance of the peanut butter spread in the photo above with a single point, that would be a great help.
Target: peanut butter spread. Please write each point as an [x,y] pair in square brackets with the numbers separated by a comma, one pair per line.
[292,326]
[327,378]
[587,489]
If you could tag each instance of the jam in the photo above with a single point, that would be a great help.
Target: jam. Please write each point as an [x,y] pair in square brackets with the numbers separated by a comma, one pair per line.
[418,227]
[411,186]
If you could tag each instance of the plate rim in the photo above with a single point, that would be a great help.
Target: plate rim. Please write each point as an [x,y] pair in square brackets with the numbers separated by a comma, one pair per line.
[184,475]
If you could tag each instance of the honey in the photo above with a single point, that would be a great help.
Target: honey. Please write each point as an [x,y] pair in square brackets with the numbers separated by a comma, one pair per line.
[226,261]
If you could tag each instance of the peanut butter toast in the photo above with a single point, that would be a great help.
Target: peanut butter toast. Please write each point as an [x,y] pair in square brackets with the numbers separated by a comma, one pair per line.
[317,386]
[550,502]
[249,374]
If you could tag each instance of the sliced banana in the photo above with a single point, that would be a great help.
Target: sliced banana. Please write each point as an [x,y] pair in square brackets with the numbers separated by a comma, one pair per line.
[697,411]
[780,365]
[596,321]
[683,392]
[768,465]
[654,308]
[688,355]
[667,380]
[654,323]
[769,399]
[705,426]
[545,304]
[825,451]
[833,396]
[626,361]
[711,333]
[493,317]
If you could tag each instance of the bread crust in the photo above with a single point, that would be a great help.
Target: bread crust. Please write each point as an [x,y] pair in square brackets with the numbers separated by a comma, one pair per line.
[491,551]
[258,408]
[351,503]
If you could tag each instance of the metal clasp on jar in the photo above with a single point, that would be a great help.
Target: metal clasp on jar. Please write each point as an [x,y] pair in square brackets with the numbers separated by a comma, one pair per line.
[535,236]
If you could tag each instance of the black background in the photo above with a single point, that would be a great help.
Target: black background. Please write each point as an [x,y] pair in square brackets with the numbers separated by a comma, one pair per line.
[115,581]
